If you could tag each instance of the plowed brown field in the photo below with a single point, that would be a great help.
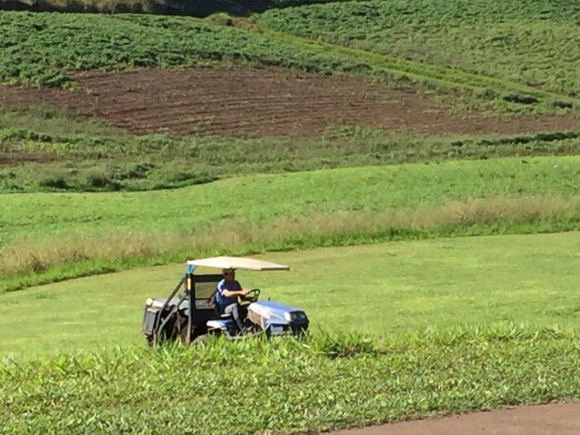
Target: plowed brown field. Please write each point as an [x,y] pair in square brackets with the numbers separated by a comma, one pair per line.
[244,102]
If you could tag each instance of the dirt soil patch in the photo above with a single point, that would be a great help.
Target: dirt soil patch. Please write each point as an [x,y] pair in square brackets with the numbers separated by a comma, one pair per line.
[14,159]
[244,102]
[560,419]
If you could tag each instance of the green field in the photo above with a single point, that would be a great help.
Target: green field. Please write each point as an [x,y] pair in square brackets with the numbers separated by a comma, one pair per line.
[442,320]
[44,49]
[49,49]
[263,198]
[383,289]
[531,42]
[439,273]
[288,387]
[49,236]
[94,156]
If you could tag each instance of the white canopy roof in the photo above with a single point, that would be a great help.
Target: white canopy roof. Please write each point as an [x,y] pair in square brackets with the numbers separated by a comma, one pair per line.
[237,263]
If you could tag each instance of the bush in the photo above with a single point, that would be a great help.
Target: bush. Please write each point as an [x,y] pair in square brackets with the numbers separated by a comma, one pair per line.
[520,98]
[57,182]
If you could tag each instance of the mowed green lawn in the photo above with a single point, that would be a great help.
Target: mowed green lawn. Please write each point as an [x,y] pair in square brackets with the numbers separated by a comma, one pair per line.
[379,289]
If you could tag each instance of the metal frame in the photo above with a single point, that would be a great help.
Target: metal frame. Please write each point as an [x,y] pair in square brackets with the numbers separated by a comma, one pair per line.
[158,328]
[188,282]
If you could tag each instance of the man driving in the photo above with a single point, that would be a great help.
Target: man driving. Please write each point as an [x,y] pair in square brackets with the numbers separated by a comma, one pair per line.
[228,290]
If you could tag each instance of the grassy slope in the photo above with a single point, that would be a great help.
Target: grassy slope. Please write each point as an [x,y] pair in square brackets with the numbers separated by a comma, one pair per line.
[99,161]
[380,289]
[261,198]
[49,48]
[531,42]
[50,237]
[43,49]
[466,91]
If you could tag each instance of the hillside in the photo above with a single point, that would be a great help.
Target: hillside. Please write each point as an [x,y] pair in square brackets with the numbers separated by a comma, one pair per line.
[531,42]
[139,102]
[416,164]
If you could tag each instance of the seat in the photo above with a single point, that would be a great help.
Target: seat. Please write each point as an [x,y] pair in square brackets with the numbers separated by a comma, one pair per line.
[217,310]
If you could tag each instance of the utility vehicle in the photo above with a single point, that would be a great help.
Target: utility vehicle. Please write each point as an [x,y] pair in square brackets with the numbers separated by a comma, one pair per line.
[190,314]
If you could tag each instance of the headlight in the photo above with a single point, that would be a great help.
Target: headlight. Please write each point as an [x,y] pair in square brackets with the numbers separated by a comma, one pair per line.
[294,316]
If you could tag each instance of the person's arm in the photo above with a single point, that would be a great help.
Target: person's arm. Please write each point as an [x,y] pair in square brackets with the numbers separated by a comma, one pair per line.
[230,293]
[213,293]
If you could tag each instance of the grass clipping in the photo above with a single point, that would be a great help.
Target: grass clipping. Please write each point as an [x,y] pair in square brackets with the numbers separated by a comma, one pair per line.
[289,386]
[113,250]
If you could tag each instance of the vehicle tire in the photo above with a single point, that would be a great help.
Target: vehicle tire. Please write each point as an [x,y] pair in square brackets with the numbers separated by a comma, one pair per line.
[203,338]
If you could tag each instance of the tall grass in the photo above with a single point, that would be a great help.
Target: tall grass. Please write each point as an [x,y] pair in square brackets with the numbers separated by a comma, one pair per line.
[49,123]
[32,262]
[327,381]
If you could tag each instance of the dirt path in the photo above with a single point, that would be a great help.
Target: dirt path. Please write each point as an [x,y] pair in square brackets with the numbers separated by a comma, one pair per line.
[269,102]
[560,419]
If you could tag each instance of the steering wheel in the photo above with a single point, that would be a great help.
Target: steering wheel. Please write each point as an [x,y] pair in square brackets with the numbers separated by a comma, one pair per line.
[252,295]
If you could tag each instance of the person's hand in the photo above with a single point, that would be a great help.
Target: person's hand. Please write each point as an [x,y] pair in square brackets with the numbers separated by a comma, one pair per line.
[245,292]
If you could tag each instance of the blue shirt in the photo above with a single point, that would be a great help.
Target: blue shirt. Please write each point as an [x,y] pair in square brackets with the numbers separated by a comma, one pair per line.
[226,285]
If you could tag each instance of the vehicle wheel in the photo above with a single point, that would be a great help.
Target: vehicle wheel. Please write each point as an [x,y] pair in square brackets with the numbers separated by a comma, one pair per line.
[203,338]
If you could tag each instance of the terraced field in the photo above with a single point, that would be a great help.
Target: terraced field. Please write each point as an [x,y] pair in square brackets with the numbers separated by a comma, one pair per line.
[252,103]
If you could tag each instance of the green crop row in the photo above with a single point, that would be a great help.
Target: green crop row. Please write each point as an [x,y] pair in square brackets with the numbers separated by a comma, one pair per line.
[323,382]
[46,49]
[532,42]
